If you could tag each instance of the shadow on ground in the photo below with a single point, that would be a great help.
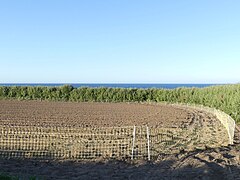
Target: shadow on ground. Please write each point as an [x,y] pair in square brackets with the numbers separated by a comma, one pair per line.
[220,163]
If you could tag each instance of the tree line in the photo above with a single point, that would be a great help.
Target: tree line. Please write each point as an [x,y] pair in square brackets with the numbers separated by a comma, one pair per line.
[224,97]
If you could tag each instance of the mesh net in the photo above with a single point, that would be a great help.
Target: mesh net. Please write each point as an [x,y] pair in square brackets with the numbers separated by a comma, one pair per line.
[138,142]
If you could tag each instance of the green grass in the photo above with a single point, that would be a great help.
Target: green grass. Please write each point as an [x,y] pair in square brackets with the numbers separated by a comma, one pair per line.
[4,176]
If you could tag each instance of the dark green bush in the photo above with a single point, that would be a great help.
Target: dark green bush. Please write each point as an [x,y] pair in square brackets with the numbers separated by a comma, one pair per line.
[225,97]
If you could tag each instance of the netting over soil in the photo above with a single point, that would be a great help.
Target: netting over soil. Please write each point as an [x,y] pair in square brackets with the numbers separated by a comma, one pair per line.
[196,129]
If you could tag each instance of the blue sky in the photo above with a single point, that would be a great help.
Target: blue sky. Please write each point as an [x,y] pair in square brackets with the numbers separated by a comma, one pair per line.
[119,41]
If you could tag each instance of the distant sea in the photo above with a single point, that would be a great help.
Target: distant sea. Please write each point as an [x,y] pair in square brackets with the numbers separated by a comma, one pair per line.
[144,86]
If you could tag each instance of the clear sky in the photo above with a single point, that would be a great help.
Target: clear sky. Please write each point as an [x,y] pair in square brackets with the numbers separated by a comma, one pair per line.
[119,41]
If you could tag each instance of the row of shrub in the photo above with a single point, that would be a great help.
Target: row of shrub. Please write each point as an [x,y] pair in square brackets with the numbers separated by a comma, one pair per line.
[225,97]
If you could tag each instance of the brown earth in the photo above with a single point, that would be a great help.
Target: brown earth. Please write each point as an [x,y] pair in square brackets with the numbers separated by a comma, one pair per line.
[43,113]
[216,163]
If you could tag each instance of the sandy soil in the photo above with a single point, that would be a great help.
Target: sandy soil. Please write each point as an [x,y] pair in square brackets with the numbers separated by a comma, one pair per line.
[219,163]
[216,163]
[43,113]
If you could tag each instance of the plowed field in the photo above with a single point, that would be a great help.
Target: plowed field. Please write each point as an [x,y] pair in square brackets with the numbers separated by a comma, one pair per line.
[217,163]
[72,114]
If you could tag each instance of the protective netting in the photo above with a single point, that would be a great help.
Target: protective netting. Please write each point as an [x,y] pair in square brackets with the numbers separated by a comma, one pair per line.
[65,143]
[132,142]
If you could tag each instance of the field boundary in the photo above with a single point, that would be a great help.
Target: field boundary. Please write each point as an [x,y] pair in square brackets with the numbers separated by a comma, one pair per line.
[226,120]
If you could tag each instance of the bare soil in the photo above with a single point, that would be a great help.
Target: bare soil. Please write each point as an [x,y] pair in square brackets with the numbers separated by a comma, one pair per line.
[72,114]
[218,163]
[212,163]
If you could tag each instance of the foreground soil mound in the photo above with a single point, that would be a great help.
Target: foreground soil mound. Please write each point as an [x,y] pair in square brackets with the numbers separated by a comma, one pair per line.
[219,163]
